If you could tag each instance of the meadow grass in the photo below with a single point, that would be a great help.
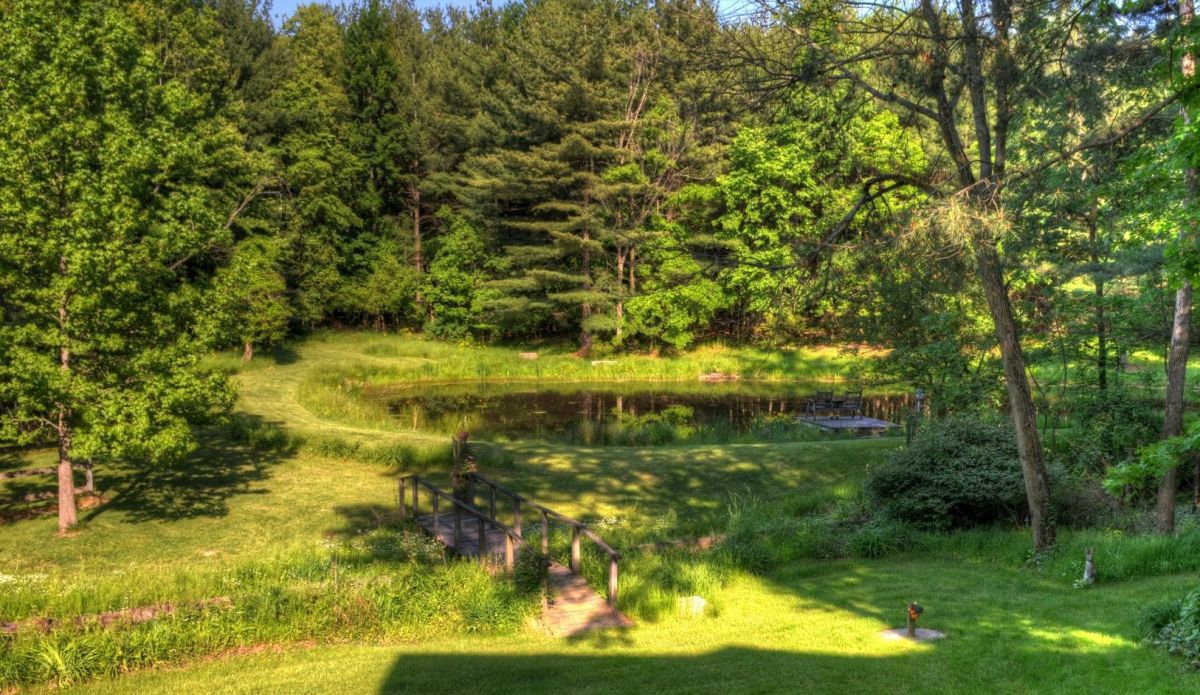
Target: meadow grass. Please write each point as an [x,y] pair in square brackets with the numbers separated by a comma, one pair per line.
[390,582]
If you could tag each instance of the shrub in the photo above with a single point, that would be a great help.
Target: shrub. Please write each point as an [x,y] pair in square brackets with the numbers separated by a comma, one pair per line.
[1112,425]
[958,472]
[1158,615]
[1080,501]
[531,571]
[1179,634]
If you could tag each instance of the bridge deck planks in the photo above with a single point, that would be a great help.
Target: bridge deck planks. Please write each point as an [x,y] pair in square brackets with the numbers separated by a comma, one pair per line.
[574,607]
[469,546]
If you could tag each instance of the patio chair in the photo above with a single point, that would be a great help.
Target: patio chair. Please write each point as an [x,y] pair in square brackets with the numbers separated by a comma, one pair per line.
[821,401]
[851,404]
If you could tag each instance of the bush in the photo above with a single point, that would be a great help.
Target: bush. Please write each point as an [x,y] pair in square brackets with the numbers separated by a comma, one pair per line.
[531,571]
[1179,631]
[1112,425]
[1158,615]
[958,472]
[1080,501]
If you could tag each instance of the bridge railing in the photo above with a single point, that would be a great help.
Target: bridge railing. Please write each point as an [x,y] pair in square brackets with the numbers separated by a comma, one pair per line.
[512,536]
[489,488]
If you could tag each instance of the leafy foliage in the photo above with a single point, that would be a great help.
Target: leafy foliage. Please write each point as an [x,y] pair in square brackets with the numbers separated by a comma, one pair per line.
[958,472]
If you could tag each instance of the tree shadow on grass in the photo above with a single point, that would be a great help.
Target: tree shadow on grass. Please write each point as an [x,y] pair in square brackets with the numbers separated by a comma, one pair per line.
[694,483]
[198,487]
[284,355]
[929,668]
[9,459]
[359,518]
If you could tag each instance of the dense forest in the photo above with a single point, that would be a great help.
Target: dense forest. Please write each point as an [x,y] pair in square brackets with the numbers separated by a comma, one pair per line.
[972,188]
[623,174]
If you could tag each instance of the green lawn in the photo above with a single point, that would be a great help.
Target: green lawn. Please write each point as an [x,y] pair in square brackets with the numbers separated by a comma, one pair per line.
[175,535]
[809,628]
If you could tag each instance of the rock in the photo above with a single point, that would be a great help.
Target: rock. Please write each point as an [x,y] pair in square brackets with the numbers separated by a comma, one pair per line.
[602,363]
[528,355]
[901,633]
[692,605]
[718,376]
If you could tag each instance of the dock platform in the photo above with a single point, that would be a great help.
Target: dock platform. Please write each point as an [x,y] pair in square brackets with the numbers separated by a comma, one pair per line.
[864,426]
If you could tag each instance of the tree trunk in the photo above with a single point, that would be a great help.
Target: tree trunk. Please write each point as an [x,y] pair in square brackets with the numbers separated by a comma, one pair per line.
[620,295]
[1101,327]
[1178,353]
[1101,337]
[1033,467]
[247,351]
[632,274]
[1195,484]
[414,201]
[585,335]
[89,484]
[67,516]
[1173,416]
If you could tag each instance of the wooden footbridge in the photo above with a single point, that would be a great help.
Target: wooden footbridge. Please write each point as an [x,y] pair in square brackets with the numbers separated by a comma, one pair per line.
[470,531]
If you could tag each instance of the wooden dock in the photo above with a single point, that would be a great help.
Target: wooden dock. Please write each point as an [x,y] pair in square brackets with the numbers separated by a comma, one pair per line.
[866,426]
[573,607]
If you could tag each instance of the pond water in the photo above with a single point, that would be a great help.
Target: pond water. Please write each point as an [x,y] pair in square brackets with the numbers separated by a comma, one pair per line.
[622,413]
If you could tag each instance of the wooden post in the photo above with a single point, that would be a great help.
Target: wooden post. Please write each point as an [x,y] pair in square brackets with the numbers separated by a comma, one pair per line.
[462,486]
[403,513]
[457,527]
[575,549]
[508,553]
[416,506]
[612,582]
[482,539]
[437,529]
[517,516]
[545,533]
[912,627]
[492,502]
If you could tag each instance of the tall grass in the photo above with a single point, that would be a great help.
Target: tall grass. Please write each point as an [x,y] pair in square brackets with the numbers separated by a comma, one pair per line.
[410,358]
[388,583]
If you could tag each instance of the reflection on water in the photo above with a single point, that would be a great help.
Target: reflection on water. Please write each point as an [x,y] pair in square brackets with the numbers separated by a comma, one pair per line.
[620,413]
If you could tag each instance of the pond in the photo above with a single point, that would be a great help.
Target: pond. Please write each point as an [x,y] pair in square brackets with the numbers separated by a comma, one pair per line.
[621,413]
